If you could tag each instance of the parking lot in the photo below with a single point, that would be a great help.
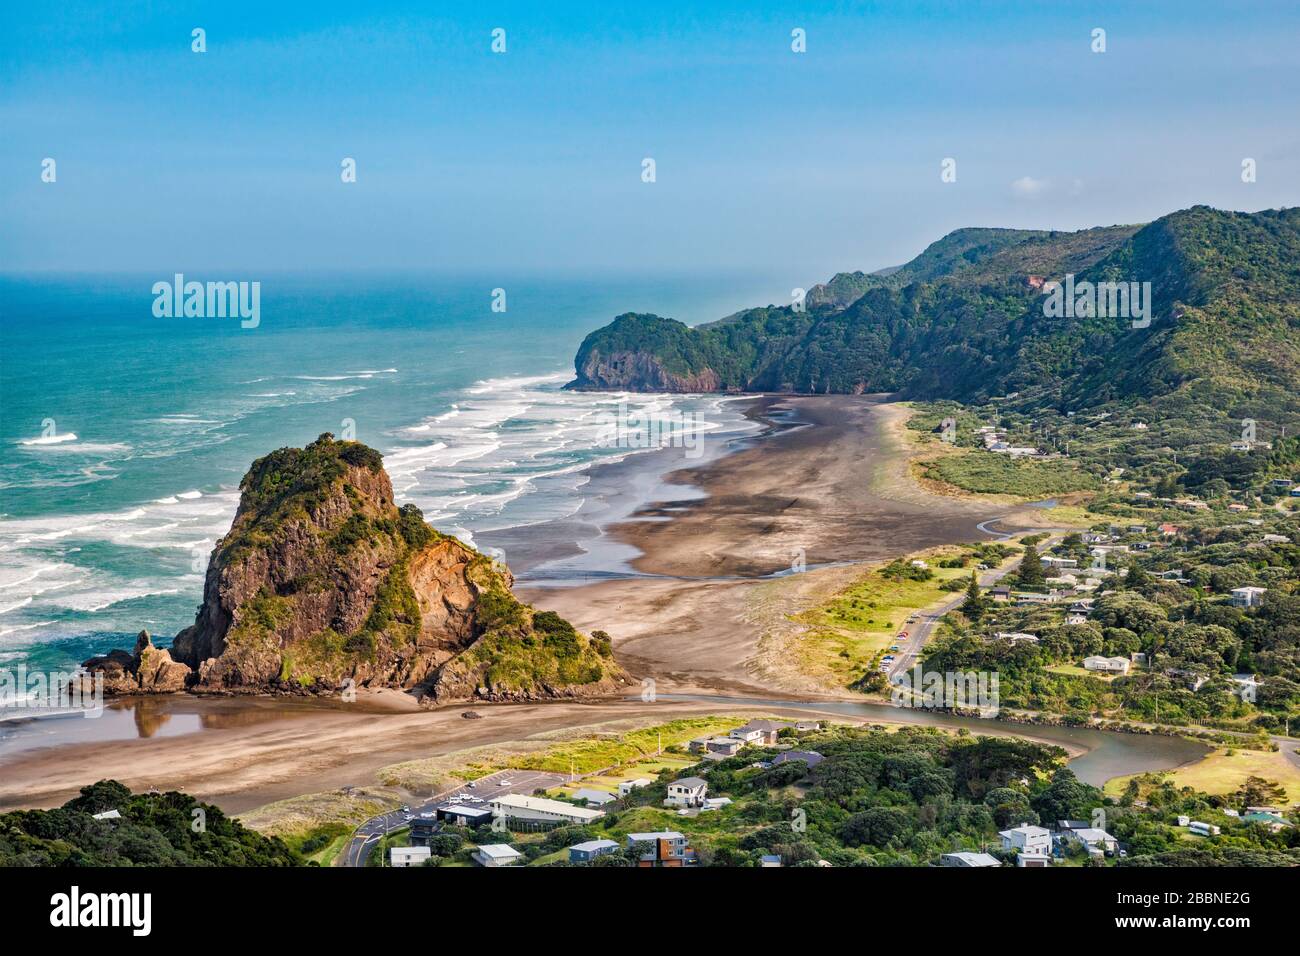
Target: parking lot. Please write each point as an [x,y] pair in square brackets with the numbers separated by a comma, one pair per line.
[475,793]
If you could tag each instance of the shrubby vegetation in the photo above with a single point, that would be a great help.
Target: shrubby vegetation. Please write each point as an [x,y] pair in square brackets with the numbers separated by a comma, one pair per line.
[155,829]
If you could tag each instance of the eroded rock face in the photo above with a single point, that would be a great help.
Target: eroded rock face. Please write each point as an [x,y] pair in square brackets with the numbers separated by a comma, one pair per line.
[148,670]
[640,371]
[323,583]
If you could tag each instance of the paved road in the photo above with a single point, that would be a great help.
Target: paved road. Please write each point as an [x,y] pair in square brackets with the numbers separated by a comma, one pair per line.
[919,631]
[482,792]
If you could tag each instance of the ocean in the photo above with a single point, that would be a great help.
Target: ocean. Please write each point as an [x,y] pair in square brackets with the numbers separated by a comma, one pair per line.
[124,436]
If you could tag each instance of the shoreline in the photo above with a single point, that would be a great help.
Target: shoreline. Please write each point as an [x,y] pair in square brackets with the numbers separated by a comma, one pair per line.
[690,617]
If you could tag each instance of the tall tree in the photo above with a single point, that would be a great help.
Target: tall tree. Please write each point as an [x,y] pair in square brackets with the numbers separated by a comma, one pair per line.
[975,604]
[1031,569]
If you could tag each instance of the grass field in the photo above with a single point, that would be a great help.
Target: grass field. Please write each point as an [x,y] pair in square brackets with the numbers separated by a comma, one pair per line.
[599,751]
[846,635]
[986,472]
[649,767]
[299,817]
[1224,770]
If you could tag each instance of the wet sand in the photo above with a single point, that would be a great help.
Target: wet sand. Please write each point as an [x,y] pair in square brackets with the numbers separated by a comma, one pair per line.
[832,493]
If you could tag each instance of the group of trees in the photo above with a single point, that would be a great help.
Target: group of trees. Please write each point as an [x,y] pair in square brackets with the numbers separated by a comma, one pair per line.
[154,829]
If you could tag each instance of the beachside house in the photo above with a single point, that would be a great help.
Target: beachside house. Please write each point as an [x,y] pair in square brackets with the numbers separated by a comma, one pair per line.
[759,732]
[1093,838]
[666,848]
[1248,596]
[1027,839]
[408,855]
[513,806]
[589,850]
[496,854]
[686,792]
[1106,665]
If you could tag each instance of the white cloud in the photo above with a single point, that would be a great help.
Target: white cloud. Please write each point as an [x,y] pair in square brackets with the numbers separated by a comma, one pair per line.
[1028,187]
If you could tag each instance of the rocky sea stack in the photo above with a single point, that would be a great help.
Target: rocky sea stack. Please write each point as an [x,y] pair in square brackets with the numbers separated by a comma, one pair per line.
[323,583]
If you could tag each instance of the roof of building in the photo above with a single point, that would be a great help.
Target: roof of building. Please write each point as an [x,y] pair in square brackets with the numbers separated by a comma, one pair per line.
[499,851]
[543,805]
[1092,834]
[1026,830]
[654,835]
[811,757]
[764,725]
[460,810]
[690,783]
[590,846]
[594,796]
[975,859]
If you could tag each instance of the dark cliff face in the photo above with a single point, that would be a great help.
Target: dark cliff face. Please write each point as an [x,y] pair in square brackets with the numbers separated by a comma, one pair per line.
[639,372]
[647,353]
[322,582]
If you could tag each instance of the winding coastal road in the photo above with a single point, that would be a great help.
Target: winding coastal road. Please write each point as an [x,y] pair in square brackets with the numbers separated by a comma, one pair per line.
[928,619]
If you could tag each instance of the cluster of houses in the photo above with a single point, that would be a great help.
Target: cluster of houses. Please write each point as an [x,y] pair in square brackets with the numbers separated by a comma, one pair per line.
[996,441]
[1039,846]
[687,795]
[1067,582]
[760,733]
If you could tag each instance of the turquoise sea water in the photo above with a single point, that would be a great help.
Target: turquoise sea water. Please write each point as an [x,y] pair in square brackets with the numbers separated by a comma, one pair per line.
[124,436]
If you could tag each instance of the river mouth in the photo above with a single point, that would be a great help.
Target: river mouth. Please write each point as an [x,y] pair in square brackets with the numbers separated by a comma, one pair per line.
[1106,754]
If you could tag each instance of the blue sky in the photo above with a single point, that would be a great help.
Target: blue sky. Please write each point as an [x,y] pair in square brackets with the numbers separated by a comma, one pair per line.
[790,165]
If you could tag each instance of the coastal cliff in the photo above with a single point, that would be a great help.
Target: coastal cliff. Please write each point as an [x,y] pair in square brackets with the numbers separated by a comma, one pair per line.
[1212,324]
[323,582]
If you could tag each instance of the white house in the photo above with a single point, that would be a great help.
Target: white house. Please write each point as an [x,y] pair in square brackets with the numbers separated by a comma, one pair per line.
[1093,838]
[496,854]
[968,860]
[1017,637]
[759,731]
[517,807]
[408,855]
[686,792]
[627,786]
[1033,859]
[1106,665]
[1027,839]
[1248,596]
